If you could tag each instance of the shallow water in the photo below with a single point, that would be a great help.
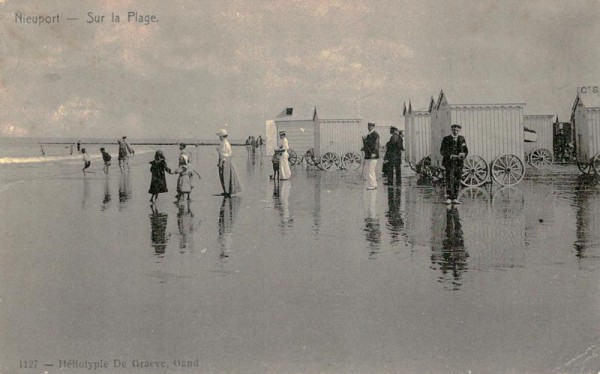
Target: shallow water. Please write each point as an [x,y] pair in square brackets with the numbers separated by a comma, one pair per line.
[316,276]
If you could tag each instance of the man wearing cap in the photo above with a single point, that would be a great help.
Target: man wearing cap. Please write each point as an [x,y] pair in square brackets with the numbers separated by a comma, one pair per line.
[371,150]
[393,157]
[454,150]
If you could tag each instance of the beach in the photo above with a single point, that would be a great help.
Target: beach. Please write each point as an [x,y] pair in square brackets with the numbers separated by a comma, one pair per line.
[319,275]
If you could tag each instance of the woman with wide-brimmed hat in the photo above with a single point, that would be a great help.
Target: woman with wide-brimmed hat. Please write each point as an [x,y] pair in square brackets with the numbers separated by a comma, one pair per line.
[227,174]
[284,162]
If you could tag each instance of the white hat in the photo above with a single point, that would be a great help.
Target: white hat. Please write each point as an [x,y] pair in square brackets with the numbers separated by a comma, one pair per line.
[222,132]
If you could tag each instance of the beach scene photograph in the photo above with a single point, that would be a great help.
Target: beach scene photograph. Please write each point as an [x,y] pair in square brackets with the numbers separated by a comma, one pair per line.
[299,186]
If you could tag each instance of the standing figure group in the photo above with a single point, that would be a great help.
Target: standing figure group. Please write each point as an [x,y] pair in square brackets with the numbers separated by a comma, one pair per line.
[185,172]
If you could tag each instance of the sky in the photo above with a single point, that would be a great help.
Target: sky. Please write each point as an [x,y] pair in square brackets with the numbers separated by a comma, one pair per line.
[211,64]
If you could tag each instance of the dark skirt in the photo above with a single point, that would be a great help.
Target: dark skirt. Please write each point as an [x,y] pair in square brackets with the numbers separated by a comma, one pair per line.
[158,183]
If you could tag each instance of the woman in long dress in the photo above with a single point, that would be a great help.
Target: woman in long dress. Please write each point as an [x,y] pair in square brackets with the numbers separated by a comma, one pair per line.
[227,174]
[284,163]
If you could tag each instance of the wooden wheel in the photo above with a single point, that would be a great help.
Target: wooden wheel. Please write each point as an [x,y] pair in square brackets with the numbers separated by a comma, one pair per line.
[507,170]
[475,172]
[541,158]
[292,157]
[352,161]
[585,167]
[596,164]
[328,160]
[309,156]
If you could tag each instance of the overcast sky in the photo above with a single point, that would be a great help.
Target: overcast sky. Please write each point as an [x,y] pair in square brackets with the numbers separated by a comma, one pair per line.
[210,63]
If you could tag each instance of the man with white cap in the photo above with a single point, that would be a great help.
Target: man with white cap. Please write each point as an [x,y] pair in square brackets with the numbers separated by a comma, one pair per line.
[371,150]
[227,174]
[454,150]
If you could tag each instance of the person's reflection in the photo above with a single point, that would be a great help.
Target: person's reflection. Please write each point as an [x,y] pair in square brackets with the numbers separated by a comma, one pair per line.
[124,190]
[453,257]
[86,192]
[281,193]
[372,227]
[107,197]
[227,215]
[394,215]
[158,235]
[584,216]
[185,223]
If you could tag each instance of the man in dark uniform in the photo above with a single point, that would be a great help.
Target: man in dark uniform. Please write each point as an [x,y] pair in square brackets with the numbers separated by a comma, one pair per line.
[393,157]
[454,150]
[371,149]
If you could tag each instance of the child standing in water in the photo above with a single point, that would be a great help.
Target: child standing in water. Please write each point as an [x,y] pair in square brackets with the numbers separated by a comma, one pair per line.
[87,161]
[184,182]
[158,183]
[106,158]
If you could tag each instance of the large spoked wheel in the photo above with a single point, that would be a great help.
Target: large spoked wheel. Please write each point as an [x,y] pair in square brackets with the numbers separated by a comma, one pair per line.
[541,158]
[329,160]
[508,170]
[475,172]
[596,164]
[352,161]
[309,156]
[585,167]
[292,157]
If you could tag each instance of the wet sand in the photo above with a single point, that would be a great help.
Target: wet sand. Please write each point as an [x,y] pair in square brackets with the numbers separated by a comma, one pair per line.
[319,276]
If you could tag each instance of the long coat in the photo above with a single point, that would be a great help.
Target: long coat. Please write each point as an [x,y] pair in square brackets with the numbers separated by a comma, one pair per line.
[371,145]
[450,147]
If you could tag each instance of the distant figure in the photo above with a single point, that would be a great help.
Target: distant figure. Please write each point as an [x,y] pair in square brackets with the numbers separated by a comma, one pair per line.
[106,158]
[87,161]
[158,183]
[184,181]
[227,174]
[130,149]
[371,150]
[78,146]
[260,141]
[454,151]
[123,156]
[248,145]
[392,161]
[276,161]
[284,163]
[42,149]
[185,153]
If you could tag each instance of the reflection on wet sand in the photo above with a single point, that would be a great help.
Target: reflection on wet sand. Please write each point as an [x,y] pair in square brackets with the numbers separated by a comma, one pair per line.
[395,221]
[86,192]
[185,223]
[107,198]
[125,191]
[587,215]
[451,256]
[372,226]
[281,196]
[158,233]
[227,215]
